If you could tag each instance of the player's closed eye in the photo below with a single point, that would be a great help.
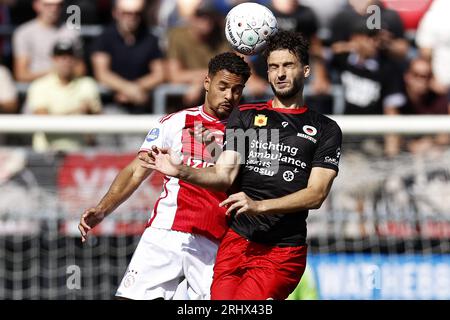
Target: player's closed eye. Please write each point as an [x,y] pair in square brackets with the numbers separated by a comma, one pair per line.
[237,90]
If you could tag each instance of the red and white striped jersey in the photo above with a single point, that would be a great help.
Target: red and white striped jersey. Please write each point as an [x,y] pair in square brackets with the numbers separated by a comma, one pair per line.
[181,205]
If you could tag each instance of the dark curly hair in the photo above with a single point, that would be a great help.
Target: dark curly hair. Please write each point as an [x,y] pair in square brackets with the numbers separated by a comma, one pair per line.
[292,41]
[231,62]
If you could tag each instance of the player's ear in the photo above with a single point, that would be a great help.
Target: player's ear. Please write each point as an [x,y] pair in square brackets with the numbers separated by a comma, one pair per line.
[306,71]
[207,83]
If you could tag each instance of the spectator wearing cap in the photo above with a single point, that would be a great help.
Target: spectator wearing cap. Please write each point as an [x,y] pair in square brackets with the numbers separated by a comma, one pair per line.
[391,33]
[191,46]
[372,82]
[127,59]
[33,41]
[62,92]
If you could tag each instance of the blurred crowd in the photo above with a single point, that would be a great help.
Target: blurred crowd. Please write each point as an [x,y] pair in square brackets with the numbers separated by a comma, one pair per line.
[389,57]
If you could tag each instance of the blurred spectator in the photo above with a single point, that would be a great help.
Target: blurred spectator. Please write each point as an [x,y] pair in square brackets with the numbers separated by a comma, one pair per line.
[422,99]
[391,35]
[174,13]
[325,10]
[62,92]
[293,15]
[8,92]
[433,39]
[372,83]
[5,22]
[127,59]
[33,41]
[191,46]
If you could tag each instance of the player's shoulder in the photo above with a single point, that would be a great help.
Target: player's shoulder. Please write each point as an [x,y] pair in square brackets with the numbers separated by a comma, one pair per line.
[259,105]
[179,115]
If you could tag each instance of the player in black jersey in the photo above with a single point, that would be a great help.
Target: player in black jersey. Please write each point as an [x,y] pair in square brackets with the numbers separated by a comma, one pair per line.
[283,157]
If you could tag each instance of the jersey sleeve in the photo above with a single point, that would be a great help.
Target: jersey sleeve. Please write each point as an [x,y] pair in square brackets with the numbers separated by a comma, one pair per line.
[157,136]
[328,151]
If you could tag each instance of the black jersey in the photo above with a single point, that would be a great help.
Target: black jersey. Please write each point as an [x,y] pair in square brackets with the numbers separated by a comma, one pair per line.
[279,147]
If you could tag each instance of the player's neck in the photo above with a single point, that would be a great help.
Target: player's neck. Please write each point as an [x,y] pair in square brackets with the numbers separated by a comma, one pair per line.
[295,102]
[209,111]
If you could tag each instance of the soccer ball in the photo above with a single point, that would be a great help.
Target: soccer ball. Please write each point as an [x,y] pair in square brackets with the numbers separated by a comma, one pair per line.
[247,27]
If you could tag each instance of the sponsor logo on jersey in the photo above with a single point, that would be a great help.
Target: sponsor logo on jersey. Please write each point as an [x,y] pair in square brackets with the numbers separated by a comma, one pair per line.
[288,176]
[284,124]
[260,120]
[152,135]
[305,136]
[309,133]
[130,279]
[334,161]
[310,130]
[331,160]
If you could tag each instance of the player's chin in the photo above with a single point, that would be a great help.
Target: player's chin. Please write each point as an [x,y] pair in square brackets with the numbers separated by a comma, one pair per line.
[224,111]
[283,93]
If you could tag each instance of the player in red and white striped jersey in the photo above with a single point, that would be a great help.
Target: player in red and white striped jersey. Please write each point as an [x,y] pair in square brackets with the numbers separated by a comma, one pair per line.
[175,256]
[183,206]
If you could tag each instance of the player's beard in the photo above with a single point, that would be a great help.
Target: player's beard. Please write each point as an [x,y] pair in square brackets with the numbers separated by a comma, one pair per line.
[297,86]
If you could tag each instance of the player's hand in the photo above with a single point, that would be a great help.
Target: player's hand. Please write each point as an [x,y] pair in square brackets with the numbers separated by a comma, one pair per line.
[89,219]
[241,203]
[202,134]
[163,160]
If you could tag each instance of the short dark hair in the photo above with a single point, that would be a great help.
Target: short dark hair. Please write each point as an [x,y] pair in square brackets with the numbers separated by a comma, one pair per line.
[290,40]
[231,62]
[64,47]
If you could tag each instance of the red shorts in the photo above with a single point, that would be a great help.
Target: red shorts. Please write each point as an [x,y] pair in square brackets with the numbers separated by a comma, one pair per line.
[245,270]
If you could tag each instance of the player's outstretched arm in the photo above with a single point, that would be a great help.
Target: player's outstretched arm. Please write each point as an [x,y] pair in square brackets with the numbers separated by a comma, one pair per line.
[219,178]
[123,186]
[312,197]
